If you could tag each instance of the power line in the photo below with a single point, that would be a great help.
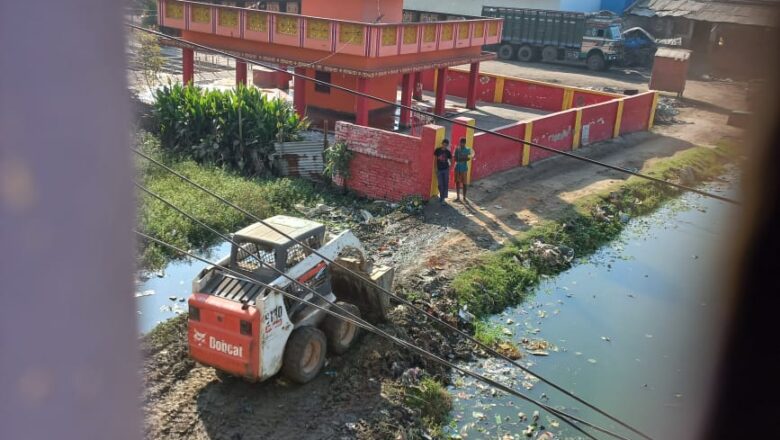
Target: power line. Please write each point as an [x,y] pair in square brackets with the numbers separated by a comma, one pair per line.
[443,118]
[349,317]
[233,242]
[389,294]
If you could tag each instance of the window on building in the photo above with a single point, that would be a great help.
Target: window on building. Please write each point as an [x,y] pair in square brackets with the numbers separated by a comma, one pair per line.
[322,76]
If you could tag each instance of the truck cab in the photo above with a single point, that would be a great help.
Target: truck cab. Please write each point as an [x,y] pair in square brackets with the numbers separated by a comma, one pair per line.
[604,36]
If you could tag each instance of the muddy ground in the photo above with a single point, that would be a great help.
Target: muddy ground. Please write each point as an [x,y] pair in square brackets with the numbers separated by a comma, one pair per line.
[355,396]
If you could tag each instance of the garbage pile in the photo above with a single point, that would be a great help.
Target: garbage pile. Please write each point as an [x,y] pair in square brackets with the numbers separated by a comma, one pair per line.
[550,255]
[666,112]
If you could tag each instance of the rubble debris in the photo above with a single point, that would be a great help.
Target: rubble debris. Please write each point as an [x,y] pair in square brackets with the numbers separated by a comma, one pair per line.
[465,315]
[552,255]
[411,376]
[666,112]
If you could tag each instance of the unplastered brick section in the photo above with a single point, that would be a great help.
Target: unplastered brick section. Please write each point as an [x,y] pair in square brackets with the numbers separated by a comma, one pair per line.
[385,165]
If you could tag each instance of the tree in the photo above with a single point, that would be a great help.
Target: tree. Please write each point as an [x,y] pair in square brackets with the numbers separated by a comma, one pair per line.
[150,59]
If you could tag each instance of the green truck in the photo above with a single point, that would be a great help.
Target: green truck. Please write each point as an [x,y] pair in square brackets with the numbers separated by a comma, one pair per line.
[594,39]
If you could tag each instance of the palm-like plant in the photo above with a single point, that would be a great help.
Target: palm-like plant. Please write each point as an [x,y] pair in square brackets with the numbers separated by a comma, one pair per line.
[234,129]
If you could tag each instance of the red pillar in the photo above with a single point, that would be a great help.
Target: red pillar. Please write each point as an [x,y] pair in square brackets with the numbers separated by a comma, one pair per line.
[471,97]
[441,90]
[361,104]
[407,87]
[240,72]
[299,92]
[188,65]
[283,78]
[418,95]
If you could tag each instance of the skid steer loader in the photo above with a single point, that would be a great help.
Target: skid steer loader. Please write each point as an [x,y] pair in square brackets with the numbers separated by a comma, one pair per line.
[244,329]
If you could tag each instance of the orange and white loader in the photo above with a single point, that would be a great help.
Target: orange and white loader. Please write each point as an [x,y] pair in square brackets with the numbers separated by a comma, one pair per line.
[251,331]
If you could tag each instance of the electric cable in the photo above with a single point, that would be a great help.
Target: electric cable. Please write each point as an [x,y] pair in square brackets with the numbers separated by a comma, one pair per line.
[349,317]
[233,242]
[397,298]
[443,118]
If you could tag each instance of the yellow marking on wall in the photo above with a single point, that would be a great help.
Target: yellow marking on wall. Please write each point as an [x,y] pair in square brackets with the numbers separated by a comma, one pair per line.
[529,129]
[498,95]
[568,98]
[435,80]
[435,181]
[577,130]
[470,143]
[618,119]
[652,111]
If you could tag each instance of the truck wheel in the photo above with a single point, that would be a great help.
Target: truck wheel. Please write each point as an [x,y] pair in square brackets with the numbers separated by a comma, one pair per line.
[304,354]
[341,334]
[525,53]
[506,52]
[596,62]
[549,53]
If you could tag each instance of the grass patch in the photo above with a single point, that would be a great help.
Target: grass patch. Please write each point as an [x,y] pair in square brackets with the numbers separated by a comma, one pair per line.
[503,278]
[261,197]
[433,401]
[494,337]
[489,333]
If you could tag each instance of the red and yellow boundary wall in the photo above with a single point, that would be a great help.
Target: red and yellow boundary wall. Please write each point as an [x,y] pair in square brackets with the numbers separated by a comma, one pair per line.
[519,92]
[392,166]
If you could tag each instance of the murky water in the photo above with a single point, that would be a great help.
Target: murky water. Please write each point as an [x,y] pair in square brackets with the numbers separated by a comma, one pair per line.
[161,298]
[635,330]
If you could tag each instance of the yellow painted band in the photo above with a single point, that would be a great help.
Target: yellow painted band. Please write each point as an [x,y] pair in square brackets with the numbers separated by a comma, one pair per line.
[577,130]
[435,79]
[568,98]
[470,143]
[435,181]
[498,96]
[529,129]
[618,119]
[652,111]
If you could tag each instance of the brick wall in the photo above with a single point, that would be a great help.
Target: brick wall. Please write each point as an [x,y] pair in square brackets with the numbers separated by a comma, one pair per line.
[636,112]
[554,131]
[495,154]
[598,122]
[386,165]
[518,92]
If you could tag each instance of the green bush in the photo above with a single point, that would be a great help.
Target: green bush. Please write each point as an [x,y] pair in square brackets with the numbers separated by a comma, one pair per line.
[337,160]
[235,129]
[432,400]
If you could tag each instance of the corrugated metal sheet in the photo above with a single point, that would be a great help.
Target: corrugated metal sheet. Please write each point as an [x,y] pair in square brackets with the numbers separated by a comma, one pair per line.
[711,11]
[300,159]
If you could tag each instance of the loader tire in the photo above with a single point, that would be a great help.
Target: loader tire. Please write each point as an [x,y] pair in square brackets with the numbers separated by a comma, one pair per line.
[304,354]
[341,334]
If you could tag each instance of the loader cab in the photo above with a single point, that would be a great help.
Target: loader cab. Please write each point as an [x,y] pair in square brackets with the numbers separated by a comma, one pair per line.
[261,241]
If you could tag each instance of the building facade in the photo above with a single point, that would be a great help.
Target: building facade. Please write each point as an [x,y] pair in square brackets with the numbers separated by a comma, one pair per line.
[363,45]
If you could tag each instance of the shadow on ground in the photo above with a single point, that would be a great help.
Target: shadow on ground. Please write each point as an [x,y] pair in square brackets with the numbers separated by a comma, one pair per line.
[506,203]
